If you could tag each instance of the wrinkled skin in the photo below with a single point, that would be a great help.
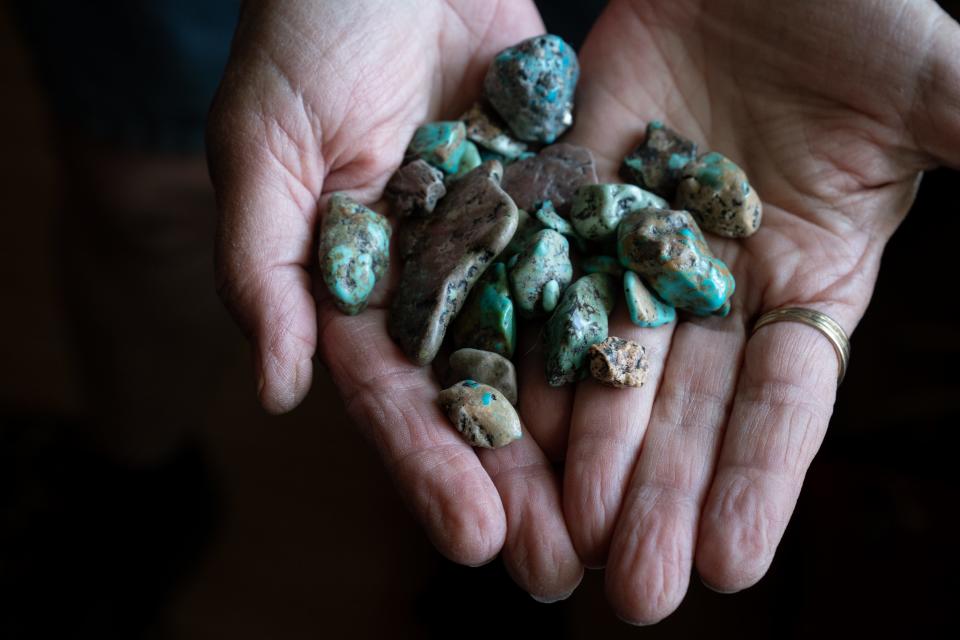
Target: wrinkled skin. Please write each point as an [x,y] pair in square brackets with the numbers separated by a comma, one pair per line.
[700,468]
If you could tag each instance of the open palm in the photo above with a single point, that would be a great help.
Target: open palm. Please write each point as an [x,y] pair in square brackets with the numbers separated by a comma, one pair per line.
[833,109]
[323,97]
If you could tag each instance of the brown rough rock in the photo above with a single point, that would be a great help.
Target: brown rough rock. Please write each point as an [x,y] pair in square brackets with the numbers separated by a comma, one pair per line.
[619,363]
[554,174]
[450,252]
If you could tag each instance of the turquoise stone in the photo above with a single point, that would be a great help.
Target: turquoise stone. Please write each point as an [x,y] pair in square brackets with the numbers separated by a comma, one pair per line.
[657,164]
[531,86]
[579,322]
[598,208]
[667,249]
[487,321]
[551,295]
[354,251]
[441,144]
[527,227]
[469,161]
[546,258]
[481,413]
[602,264]
[717,193]
[547,215]
[645,309]
[488,131]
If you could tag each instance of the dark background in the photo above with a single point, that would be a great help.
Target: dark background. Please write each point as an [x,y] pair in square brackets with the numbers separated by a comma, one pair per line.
[288,527]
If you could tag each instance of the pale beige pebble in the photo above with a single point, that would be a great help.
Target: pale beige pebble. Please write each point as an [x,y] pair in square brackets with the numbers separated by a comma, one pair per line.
[481,413]
[487,367]
[619,363]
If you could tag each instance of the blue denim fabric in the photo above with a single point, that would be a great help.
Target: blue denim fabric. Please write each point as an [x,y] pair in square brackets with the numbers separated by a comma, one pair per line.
[136,73]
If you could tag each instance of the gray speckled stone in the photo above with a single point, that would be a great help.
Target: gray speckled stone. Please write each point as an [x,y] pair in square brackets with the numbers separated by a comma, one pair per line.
[579,321]
[717,193]
[554,174]
[486,367]
[416,187]
[482,414]
[470,226]
[619,363]
[598,208]
[546,259]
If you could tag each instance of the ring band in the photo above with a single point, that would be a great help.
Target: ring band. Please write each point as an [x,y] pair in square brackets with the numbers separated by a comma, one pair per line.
[819,321]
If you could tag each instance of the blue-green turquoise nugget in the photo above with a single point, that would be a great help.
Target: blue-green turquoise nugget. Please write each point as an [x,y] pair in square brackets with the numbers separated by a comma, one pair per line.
[527,227]
[486,321]
[667,249]
[658,163]
[598,208]
[645,309]
[441,144]
[579,322]
[354,252]
[547,215]
[602,264]
[469,161]
[531,86]
[546,259]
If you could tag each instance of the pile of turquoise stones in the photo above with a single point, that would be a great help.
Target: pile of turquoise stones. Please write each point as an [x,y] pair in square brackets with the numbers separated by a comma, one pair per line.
[497,220]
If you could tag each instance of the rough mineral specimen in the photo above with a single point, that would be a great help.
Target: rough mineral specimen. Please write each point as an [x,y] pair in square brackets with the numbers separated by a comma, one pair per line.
[481,414]
[451,250]
[657,164]
[527,227]
[532,84]
[598,208]
[354,252]
[486,129]
[579,321]
[554,174]
[646,310]
[486,367]
[469,161]
[546,259]
[487,320]
[547,215]
[440,144]
[717,193]
[416,187]
[602,264]
[619,363]
[667,249]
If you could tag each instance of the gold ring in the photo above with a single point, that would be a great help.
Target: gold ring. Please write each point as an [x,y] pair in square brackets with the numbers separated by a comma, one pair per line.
[819,321]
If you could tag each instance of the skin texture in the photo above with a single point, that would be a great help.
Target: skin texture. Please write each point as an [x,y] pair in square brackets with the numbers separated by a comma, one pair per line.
[311,104]
[701,467]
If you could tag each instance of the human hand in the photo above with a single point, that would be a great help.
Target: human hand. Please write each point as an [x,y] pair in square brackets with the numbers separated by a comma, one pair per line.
[323,97]
[833,109]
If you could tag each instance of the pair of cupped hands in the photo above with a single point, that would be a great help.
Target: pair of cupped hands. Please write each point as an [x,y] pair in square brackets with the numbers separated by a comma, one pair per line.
[833,108]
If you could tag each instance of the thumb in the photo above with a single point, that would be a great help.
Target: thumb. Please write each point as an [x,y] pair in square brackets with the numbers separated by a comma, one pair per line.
[267,214]
[936,117]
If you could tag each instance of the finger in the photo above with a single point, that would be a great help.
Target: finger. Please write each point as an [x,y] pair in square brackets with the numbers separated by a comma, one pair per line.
[395,405]
[651,554]
[783,404]
[936,117]
[538,552]
[267,192]
[605,437]
[545,410]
